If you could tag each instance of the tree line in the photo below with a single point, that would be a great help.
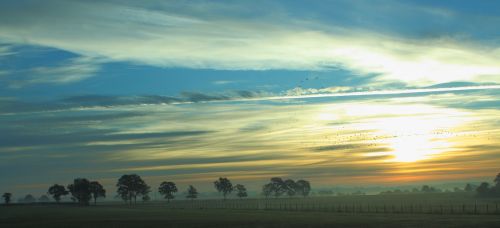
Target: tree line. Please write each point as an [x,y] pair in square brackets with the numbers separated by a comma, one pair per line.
[487,190]
[278,187]
[132,186]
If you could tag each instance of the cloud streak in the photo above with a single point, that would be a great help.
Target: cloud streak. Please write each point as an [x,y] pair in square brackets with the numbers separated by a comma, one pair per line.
[328,142]
[169,38]
[65,72]
[11,106]
[377,102]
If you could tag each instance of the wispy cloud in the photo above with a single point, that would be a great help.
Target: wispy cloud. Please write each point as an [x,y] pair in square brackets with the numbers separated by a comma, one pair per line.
[11,106]
[223,82]
[415,104]
[68,71]
[327,142]
[182,38]
[76,69]
[6,50]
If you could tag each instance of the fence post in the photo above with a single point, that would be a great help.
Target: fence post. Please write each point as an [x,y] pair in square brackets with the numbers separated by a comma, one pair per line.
[475,207]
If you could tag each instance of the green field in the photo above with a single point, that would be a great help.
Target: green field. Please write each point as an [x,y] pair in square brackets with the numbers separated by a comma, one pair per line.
[435,203]
[147,216]
[240,213]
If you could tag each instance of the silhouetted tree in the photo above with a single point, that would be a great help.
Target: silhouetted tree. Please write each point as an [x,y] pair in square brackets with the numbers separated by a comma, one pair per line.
[429,189]
[278,186]
[484,189]
[497,180]
[144,192]
[44,199]
[224,186]
[80,190]
[290,187]
[97,190]
[29,199]
[130,186]
[124,197]
[192,193]
[267,190]
[495,190]
[241,191]
[167,189]
[303,187]
[7,197]
[57,191]
[469,188]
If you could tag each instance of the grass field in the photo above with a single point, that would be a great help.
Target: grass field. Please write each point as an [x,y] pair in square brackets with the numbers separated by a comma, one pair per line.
[438,203]
[161,214]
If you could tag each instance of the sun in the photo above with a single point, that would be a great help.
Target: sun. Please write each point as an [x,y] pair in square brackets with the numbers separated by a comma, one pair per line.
[413,138]
[415,148]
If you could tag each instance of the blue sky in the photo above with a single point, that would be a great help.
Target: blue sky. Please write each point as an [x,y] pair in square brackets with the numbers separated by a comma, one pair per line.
[172,89]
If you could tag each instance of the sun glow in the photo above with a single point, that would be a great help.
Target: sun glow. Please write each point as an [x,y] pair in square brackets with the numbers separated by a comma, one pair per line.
[409,135]
[415,148]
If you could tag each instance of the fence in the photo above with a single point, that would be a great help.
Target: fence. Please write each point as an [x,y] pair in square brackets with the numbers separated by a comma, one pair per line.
[312,205]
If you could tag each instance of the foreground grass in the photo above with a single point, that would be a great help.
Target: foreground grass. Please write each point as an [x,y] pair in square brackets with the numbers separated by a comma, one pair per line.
[158,215]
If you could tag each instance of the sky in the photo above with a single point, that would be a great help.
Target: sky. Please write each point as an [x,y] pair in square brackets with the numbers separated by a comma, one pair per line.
[341,93]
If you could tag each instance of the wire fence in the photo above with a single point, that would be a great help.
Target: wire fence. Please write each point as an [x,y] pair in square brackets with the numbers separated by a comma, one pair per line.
[311,205]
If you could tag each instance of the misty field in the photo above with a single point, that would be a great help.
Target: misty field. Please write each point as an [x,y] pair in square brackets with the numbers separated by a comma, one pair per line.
[438,203]
[310,212]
